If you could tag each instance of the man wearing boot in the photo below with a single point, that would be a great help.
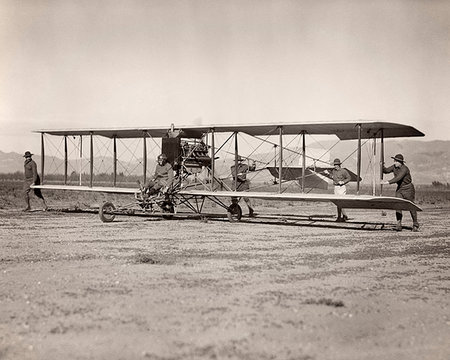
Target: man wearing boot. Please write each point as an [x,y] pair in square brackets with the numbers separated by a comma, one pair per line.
[241,183]
[31,177]
[405,188]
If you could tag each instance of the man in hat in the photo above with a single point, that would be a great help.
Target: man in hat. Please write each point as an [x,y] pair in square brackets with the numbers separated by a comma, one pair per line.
[31,177]
[240,181]
[162,179]
[405,188]
[340,178]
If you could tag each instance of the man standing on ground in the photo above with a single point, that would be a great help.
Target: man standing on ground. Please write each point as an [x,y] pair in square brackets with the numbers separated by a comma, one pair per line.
[31,177]
[340,178]
[162,179]
[240,182]
[405,188]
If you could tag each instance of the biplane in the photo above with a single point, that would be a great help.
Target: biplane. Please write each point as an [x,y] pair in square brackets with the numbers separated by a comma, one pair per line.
[201,158]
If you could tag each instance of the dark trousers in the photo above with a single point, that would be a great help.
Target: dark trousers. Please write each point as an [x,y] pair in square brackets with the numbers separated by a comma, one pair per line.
[153,187]
[407,192]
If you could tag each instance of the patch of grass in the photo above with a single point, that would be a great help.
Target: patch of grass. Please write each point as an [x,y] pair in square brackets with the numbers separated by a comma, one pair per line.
[145,259]
[323,301]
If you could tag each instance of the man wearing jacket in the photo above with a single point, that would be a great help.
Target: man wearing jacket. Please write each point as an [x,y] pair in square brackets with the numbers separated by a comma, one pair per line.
[241,183]
[31,177]
[405,188]
[340,178]
[162,180]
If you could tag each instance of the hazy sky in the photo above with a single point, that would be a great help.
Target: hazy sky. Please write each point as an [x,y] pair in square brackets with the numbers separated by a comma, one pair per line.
[76,63]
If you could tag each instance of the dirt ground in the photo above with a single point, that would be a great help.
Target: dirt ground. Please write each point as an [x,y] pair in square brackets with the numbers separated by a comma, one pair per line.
[72,287]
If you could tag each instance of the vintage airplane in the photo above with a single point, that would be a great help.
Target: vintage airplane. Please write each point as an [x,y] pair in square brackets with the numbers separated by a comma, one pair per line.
[192,149]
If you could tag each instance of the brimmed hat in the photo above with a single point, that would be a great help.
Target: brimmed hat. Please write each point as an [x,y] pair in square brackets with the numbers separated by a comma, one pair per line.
[337,162]
[27,154]
[399,158]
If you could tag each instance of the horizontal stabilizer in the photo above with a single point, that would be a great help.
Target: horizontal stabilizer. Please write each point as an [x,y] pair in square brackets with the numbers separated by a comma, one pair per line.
[326,171]
[312,181]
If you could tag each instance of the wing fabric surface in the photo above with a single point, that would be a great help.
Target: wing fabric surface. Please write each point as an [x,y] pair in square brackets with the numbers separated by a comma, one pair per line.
[101,189]
[347,201]
[295,173]
[345,130]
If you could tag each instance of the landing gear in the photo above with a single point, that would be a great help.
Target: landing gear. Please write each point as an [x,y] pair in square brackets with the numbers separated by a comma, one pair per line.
[167,209]
[234,212]
[106,212]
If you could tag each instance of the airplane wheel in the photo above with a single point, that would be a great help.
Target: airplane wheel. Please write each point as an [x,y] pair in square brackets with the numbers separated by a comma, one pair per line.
[234,212]
[167,209]
[106,212]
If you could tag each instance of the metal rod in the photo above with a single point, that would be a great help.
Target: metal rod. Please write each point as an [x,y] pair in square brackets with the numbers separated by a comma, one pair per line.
[358,160]
[65,160]
[275,161]
[91,157]
[213,161]
[114,160]
[144,155]
[381,160]
[235,160]
[374,154]
[81,157]
[42,158]
[303,161]
[280,165]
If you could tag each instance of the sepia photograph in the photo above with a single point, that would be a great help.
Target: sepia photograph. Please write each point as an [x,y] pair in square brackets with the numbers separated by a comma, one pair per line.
[224,179]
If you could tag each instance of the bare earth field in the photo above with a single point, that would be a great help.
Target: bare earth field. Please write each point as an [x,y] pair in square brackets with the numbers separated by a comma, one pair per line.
[72,287]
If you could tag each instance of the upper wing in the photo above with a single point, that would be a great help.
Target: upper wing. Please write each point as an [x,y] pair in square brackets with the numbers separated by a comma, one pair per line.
[347,130]
[344,201]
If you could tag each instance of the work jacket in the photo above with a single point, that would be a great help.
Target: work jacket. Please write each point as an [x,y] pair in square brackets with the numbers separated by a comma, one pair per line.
[30,172]
[164,174]
[402,176]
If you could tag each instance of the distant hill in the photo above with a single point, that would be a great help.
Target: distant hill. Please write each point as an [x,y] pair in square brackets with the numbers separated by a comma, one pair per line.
[13,162]
[428,160]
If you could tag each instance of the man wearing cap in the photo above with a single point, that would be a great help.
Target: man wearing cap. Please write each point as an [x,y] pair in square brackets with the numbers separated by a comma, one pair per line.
[31,177]
[405,188]
[162,179]
[240,181]
[340,178]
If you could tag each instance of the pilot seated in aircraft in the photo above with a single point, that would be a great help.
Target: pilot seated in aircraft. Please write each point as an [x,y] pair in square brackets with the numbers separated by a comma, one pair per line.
[240,181]
[162,179]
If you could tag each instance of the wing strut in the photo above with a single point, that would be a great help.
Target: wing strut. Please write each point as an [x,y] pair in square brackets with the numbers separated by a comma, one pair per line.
[381,160]
[303,161]
[65,160]
[115,159]
[81,156]
[91,179]
[144,155]
[213,160]
[280,165]
[358,161]
[235,160]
